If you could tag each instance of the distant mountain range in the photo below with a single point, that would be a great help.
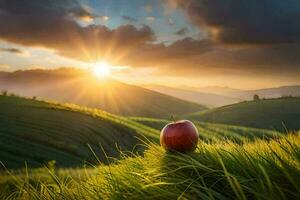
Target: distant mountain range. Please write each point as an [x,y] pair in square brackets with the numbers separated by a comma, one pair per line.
[216,96]
[215,89]
[207,99]
[80,87]
[293,90]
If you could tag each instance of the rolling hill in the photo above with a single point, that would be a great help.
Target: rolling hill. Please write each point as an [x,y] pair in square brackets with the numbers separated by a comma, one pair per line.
[221,90]
[80,87]
[258,169]
[230,162]
[203,98]
[293,90]
[278,114]
[215,132]
[38,132]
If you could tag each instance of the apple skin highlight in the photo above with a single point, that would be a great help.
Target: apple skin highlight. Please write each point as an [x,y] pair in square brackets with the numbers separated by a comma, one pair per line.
[181,136]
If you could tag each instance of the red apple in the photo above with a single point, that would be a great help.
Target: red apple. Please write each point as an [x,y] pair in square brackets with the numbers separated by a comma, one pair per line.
[179,136]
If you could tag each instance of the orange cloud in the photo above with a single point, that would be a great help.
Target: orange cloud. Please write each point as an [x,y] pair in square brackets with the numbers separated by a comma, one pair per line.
[31,24]
[4,67]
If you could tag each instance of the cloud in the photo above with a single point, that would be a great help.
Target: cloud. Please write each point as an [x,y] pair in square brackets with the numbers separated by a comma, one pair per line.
[35,7]
[182,31]
[191,57]
[130,19]
[170,21]
[16,51]
[45,24]
[168,55]
[11,50]
[54,25]
[246,22]
[87,19]
[4,67]
[103,18]
[150,18]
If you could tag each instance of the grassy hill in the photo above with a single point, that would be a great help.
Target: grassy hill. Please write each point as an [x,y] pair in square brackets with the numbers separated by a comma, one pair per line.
[231,162]
[211,132]
[291,90]
[276,114]
[223,170]
[39,131]
[275,92]
[81,88]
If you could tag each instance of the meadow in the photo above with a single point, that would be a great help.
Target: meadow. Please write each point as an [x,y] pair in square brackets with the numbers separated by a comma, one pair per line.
[38,131]
[281,114]
[41,131]
[99,155]
[223,170]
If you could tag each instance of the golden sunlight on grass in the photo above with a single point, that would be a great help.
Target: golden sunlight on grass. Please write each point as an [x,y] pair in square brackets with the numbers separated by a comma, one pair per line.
[101,69]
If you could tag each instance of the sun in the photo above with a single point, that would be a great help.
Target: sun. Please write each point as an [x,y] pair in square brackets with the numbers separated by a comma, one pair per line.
[101,69]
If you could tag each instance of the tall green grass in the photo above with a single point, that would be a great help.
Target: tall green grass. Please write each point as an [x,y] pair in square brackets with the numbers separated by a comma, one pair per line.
[221,170]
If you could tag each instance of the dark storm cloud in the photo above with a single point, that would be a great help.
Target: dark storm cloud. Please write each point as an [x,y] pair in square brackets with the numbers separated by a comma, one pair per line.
[52,24]
[205,57]
[60,8]
[186,50]
[247,21]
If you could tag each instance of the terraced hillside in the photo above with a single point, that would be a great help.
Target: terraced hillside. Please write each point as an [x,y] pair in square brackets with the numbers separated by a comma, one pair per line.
[275,114]
[39,131]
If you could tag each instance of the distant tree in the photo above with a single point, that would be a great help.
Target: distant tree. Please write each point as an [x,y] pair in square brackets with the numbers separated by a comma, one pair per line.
[4,93]
[256,97]
[34,97]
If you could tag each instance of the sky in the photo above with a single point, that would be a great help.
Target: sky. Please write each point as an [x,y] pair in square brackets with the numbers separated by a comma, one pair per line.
[235,43]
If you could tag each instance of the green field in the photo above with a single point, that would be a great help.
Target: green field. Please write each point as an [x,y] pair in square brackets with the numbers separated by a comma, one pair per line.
[223,170]
[231,162]
[214,132]
[39,131]
[281,114]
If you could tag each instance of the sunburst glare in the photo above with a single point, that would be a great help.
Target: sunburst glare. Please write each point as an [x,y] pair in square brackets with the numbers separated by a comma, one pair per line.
[101,69]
